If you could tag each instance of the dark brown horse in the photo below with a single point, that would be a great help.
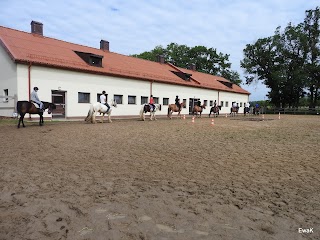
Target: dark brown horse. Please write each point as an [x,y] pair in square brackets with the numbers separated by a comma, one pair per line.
[198,109]
[256,110]
[24,107]
[174,108]
[215,110]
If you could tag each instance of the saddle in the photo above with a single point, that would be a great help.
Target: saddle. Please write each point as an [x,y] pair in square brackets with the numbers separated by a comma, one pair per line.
[152,109]
[37,106]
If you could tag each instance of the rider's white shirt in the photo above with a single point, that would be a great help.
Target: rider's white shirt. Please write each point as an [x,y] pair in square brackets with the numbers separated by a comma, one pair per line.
[103,99]
[234,105]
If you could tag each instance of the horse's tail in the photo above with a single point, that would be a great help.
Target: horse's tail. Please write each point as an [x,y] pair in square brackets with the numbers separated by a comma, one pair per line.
[141,111]
[19,106]
[90,112]
[169,110]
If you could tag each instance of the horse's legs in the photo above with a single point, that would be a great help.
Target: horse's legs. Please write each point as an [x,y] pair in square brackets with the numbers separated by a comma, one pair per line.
[41,119]
[94,117]
[102,118]
[109,116]
[21,120]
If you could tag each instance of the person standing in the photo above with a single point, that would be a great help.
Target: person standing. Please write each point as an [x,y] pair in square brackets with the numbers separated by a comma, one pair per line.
[34,98]
[103,100]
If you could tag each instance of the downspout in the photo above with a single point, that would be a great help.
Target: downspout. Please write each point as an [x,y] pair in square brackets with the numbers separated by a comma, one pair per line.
[29,80]
[151,88]
[218,97]
[29,85]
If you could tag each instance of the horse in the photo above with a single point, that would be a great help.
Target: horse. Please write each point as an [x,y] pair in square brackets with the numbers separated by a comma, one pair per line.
[174,108]
[234,111]
[246,111]
[146,108]
[24,107]
[198,109]
[256,110]
[215,110]
[101,108]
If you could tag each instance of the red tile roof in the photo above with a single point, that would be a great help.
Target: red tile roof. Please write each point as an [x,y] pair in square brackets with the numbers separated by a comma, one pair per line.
[40,50]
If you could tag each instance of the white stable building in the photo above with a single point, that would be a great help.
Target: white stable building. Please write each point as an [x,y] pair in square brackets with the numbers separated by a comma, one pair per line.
[73,76]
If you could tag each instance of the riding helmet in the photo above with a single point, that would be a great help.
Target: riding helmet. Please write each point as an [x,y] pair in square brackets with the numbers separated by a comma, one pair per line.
[103,92]
[35,88]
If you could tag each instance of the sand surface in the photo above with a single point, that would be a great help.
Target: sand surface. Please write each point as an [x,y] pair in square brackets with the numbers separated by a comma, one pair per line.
[165,179]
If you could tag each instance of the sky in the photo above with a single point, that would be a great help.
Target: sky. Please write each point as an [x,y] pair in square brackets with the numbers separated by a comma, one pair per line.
[136,26]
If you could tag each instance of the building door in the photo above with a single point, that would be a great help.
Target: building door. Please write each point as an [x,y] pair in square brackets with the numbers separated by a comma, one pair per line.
[58,98]
[192,103]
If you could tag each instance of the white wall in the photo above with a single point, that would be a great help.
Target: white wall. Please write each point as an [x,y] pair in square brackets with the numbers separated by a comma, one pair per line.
[48,79]
[8,76]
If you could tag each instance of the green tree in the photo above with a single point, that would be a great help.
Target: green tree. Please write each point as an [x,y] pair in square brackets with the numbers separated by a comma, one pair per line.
[287,62]
[312,52]
[207,60]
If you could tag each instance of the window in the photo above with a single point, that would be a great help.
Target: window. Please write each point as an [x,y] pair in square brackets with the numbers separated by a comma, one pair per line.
[96,61]
[165,101]
[83,97]
[90,58]
[227,104]
[131,99]
[184,103]
[241,104]
[205,102]
[221,103]
[98,97]
[211,103]
[144,100]
[118,98]
[156,100]
[6,94]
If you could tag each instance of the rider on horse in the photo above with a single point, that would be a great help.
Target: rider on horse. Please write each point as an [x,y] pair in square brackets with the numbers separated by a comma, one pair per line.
[151,103]
[103,100]
[177,101]
[34,98]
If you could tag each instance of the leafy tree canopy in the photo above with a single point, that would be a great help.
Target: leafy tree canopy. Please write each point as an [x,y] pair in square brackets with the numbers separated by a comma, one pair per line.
[206,60]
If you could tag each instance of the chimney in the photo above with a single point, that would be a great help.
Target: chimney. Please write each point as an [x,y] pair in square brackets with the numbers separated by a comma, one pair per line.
[104,45]
[193,67]
[160,59]
[37,28]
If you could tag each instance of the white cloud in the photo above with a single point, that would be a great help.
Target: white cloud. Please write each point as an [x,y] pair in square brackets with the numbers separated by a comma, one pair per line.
[137,26]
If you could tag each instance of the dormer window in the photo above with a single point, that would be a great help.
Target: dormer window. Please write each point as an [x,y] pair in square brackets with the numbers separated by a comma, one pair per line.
[96,61]
[227,84]
[184,76]
[90,58]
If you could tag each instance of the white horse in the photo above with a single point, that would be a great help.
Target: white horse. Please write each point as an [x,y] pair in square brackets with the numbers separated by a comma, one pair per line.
[101,108]
[146,108]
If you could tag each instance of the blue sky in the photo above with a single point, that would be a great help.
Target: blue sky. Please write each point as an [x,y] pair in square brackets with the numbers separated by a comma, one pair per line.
[135,26]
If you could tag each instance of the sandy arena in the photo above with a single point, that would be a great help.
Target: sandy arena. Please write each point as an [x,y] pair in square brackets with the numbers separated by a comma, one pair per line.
[165,179]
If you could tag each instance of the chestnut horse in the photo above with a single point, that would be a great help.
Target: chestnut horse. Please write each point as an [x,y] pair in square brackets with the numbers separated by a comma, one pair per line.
[174,108]
[198,109]
[215,110]
[234,111]
[24,107]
